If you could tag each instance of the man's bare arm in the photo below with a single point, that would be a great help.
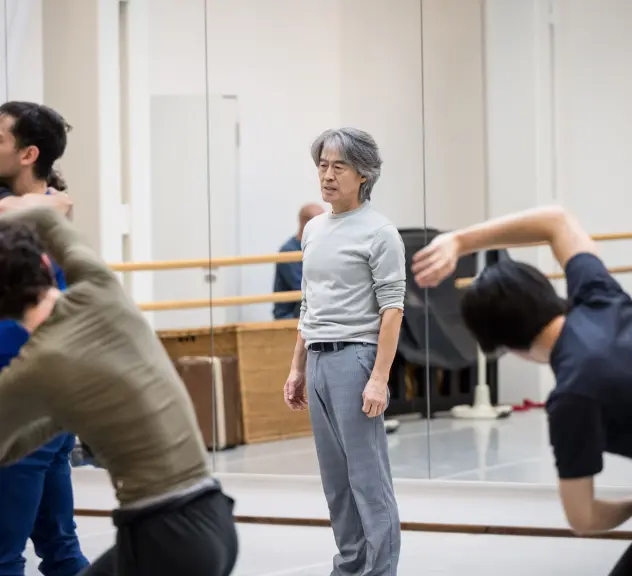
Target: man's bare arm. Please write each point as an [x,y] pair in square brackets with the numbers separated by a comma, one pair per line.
[551,225]
[588,515]
[388,339]
[58,201]
[299,359]
[294,393]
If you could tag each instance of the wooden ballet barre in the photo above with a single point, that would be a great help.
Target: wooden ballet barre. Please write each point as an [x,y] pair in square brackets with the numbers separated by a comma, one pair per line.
[596,237]
[207,263]
[291,296]
[279,257]
[463,282]
[526,531]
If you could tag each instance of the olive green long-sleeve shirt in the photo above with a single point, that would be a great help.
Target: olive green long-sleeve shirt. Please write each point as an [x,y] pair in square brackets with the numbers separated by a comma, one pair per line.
[96,368]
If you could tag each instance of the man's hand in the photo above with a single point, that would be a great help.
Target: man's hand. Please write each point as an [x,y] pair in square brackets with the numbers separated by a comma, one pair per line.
[294,391]
[62,202]
[374,397]
[59,201]
[434,263]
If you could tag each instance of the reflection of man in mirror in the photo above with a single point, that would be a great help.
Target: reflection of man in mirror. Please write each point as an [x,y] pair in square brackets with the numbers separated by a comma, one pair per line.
[354,282]
[585,338]
[288,275]
[36,499]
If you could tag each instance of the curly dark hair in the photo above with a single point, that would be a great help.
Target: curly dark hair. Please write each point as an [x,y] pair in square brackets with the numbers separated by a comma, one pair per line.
[40,126]
[23,273]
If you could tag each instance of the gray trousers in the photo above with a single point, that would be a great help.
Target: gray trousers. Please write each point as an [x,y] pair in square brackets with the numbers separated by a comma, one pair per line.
[353,460]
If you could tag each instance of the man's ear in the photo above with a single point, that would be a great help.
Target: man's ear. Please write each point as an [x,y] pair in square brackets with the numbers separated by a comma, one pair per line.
[30,155]
[46,261]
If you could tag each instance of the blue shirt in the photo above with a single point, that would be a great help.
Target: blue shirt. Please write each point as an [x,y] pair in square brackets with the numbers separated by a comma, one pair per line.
[287,279]
[589,409]
[12,335]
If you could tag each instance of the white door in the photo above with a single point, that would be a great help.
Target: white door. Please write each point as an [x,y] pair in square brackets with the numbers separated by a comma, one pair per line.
[194,197]
[223,117]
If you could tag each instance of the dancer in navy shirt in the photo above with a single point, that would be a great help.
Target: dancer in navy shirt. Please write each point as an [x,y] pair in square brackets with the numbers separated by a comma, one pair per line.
[586,338]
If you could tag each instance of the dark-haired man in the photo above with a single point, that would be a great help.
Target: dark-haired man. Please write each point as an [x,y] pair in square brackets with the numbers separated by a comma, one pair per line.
[586,339]
[36,498]
[94,366]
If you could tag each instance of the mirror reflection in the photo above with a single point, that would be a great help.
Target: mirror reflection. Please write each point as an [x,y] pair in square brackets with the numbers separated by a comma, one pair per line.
[285,101]
[549,97]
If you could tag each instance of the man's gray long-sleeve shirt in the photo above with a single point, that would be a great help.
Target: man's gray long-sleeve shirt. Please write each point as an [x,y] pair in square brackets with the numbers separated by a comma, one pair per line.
[354,268]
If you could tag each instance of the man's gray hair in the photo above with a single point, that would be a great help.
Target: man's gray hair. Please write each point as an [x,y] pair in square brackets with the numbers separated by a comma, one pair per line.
[358,149]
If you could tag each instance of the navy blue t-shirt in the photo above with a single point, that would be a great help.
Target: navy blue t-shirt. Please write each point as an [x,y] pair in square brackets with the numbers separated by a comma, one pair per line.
[288,278]
[590,409]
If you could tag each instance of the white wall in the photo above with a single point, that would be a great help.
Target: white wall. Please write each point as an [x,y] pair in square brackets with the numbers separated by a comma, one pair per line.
[380,90]
[594,113]
[453,100]
[26,52]
[82,81]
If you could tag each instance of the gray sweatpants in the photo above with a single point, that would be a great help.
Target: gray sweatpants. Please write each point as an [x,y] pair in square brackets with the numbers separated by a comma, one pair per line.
[354,465]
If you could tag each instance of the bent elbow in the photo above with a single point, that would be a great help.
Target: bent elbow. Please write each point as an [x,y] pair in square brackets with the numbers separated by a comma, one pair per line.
[582,525]
[557,219]
[391,295]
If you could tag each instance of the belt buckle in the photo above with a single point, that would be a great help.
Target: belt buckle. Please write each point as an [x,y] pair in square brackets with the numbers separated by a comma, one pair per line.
[327,346]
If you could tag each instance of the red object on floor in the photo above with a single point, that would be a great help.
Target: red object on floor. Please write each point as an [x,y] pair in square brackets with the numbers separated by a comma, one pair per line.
[531,404]
[519,408]
[527,405]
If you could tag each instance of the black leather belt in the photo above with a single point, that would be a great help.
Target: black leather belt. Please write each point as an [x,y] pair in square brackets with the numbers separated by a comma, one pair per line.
[327,346]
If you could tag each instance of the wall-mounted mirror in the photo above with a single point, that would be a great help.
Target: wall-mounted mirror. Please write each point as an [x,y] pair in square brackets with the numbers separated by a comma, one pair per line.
[193,153]
[537,88]
[474,107]
[279,77]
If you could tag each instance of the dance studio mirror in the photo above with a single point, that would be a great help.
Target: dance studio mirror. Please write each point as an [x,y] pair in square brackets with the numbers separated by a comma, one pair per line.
[279,75]
[475,107]
[521,103]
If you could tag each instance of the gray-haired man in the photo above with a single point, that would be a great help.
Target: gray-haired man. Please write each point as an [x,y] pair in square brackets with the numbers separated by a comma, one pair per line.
[354,280]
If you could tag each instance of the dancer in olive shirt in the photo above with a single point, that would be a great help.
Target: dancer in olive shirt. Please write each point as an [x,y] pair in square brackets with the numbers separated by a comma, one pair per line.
[94,366]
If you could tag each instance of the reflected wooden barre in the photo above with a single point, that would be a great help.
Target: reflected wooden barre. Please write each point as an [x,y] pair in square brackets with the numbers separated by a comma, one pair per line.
[596,237]
[207,263]
[276,258]
[279,257]
[293,296]
[463,282]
